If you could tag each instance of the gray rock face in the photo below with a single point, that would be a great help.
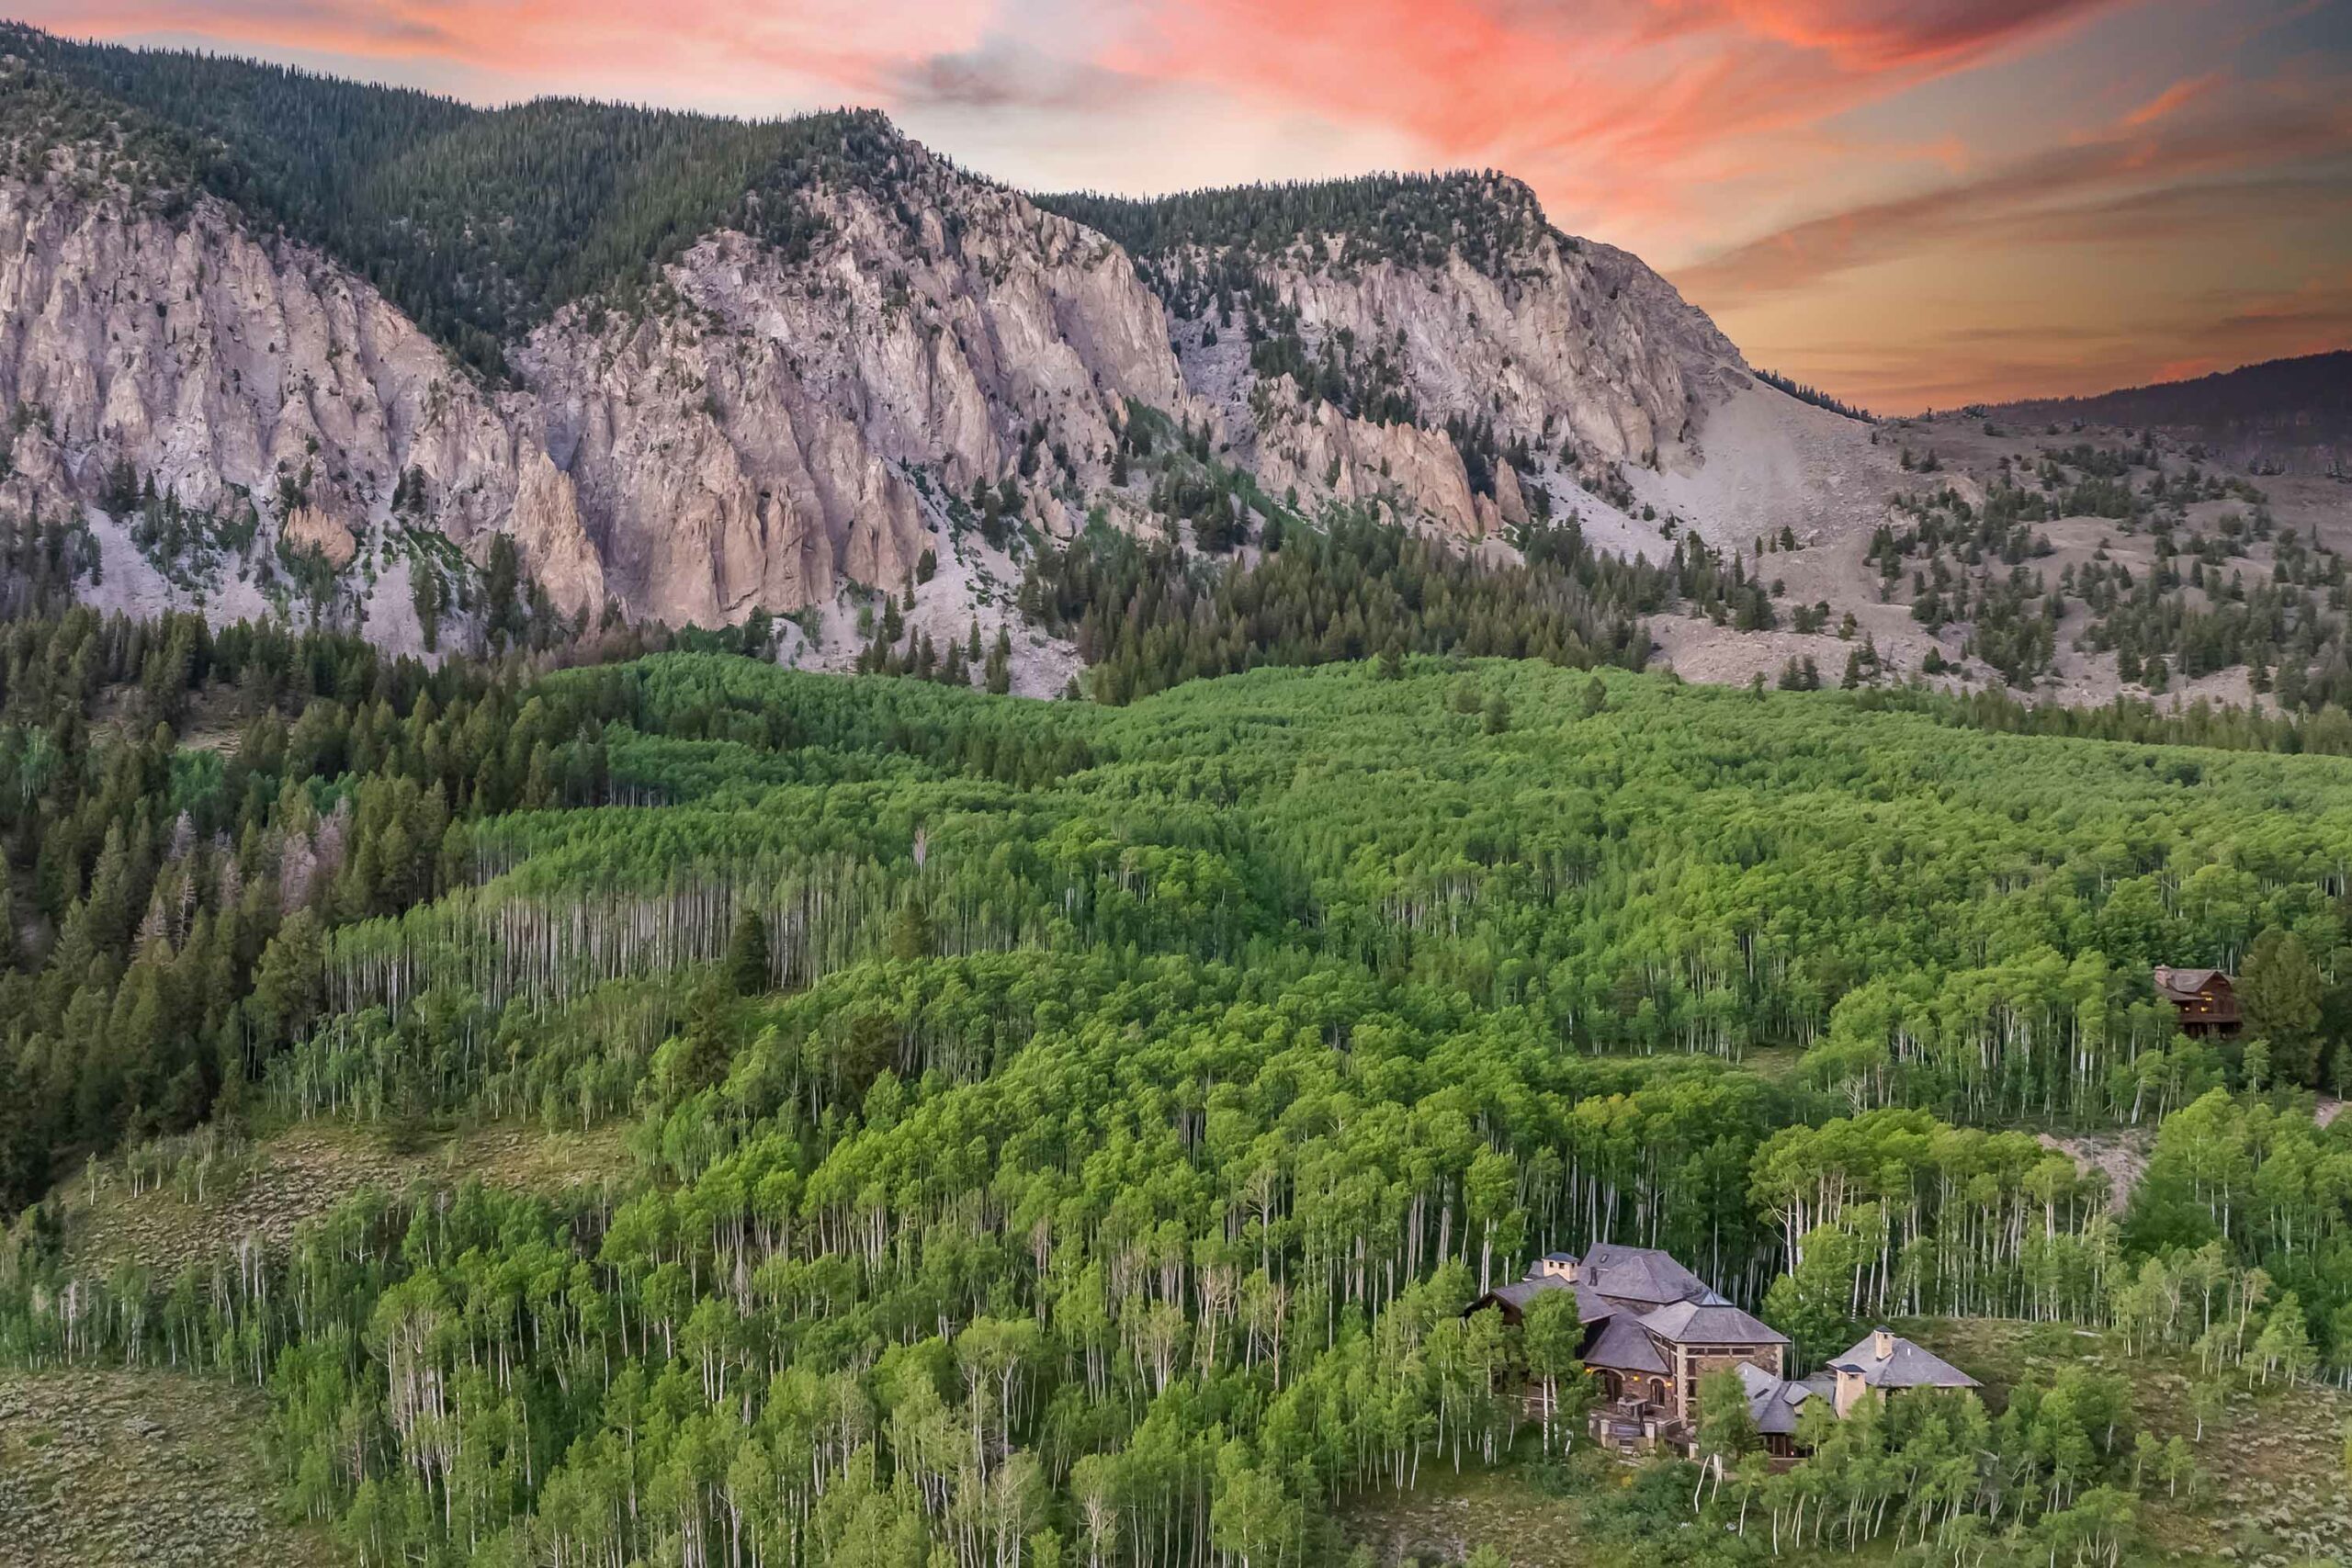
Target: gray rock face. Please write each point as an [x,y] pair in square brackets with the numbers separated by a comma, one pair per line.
[1312,447]
[762,430]
[1577,345]
[746,442]
[220,363]
[1581,342]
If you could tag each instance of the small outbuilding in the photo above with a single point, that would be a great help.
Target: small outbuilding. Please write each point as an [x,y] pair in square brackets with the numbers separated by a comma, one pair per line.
[1883,1361]
[2207,999]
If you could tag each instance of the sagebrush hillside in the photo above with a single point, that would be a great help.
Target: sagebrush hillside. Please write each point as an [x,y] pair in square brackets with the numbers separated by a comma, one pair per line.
[2283,417]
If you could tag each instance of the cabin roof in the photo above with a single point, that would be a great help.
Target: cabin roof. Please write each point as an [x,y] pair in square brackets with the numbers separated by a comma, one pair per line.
[2188,985]
[1520,1292]
[1623,1347]
[1710,1322]
[1772,1402]
[1641,1274]
[1906,1365]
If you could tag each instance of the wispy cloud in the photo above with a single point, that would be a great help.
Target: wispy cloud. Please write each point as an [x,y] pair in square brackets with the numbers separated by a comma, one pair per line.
[2173,97]
[2109,187]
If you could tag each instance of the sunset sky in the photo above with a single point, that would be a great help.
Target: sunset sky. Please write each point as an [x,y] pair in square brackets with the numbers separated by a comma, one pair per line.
[1910,204]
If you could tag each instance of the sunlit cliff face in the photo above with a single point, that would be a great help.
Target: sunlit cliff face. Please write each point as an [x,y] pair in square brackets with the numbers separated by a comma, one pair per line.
[1908,202]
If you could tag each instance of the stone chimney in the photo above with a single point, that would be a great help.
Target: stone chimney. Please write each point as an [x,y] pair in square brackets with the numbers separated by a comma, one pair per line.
[1881,1344]
[1557,1266]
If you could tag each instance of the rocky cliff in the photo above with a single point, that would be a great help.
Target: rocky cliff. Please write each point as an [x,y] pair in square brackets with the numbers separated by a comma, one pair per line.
[746,437]
[826,359]
[223,366]
[1432,348]
[751,443]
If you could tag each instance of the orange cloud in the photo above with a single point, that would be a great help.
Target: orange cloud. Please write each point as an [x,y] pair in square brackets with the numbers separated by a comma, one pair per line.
[852,45]
[1881,35]
[1621,112]
[2044,196]
[2172,98]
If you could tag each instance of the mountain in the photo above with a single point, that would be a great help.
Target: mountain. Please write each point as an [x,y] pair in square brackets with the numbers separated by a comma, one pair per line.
[276,343]
[691,405]
[2281,416]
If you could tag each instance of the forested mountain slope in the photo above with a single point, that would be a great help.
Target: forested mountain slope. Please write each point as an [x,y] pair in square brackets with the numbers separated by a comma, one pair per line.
[2282,416]
[1060,1128]
[452,377]
[696,398]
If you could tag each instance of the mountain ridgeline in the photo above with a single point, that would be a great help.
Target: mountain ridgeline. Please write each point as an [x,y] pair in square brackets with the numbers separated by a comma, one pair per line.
[283,345]
[278,335]
[1411,220]
[477,224]
[2279,416]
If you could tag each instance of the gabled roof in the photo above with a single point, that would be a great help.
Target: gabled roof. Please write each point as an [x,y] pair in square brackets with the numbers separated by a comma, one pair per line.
[1621,1346]
[1520,1292]
[1771,1401]
[1705,1323]
[1641,1274]
[1904,1366]
[2184,985]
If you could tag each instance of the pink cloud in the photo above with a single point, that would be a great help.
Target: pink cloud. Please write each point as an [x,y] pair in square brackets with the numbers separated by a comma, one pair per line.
[853,44]
[2173,98]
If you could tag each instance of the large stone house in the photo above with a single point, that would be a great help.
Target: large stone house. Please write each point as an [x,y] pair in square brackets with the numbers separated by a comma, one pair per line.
[1653,1330]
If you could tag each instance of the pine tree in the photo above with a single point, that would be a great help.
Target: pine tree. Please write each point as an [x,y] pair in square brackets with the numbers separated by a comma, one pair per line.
[910,935]
[999,670]
[2280,987]
[747,963]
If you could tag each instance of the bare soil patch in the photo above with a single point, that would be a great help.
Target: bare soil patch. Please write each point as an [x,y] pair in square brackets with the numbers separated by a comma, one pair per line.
[297,1175]
[139,1470]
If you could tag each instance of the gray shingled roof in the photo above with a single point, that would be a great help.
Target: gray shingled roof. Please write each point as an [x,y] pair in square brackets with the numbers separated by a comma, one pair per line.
[1702,1323]
[1908,1366]
[1772,1400]
[1621,1346]
[1639,1274]
[1519,1292]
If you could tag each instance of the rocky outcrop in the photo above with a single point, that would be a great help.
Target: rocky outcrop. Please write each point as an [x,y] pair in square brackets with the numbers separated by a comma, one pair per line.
[1579,343]
[746,439]
[1575,353]
[771,424]
[1317,450]
[220,363]
[311,531]
[554,546]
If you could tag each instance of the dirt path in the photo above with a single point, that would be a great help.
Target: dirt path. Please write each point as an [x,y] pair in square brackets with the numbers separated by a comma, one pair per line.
[2122,1155]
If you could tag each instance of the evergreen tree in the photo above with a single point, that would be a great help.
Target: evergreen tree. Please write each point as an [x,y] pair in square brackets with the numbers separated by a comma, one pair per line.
[747,963]
[2280,988]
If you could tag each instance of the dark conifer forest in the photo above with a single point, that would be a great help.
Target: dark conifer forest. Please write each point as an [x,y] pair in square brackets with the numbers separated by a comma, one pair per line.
[476,222]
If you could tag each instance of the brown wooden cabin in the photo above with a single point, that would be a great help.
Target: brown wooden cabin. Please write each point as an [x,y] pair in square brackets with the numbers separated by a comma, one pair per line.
[2207,1000]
